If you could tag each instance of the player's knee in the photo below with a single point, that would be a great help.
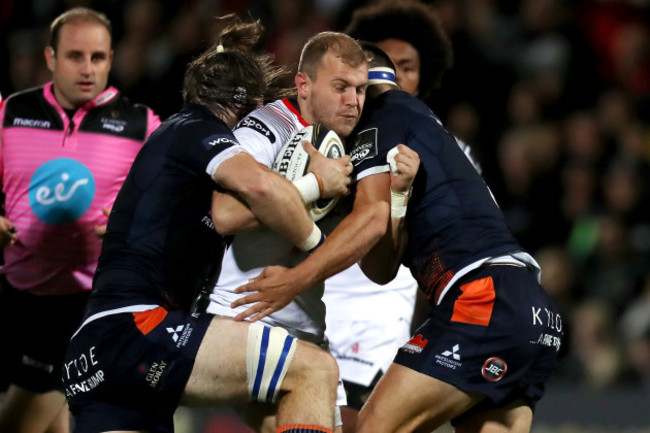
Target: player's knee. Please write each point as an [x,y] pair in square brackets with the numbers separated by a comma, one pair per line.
[315,365]
[326,366]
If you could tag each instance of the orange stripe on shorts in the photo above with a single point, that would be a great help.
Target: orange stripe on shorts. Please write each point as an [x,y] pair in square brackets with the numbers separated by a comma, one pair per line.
[146,321]
[475,304]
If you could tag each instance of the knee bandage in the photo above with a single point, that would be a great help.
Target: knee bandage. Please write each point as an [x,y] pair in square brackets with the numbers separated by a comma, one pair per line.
[268,355]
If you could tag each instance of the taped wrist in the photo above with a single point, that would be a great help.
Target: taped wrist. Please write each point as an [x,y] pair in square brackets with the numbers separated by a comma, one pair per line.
[398,202]
[313,241]
[309,188]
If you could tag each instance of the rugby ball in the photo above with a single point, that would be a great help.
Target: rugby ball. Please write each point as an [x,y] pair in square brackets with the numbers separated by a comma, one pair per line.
[292,162]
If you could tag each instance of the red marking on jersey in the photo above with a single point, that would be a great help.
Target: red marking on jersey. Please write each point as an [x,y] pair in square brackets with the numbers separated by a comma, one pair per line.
[355,348]
[146,321]
[418,341]
[475,304]
[295,111]
[432,276]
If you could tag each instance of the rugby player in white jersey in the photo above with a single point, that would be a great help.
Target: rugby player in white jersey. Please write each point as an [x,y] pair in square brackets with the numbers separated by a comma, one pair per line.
[330,83]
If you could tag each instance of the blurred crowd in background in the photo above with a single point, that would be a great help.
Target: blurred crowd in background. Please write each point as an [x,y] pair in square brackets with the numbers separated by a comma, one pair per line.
[553,96]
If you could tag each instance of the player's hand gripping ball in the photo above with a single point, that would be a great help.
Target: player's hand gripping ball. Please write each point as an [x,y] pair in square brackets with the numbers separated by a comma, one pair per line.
[293,161]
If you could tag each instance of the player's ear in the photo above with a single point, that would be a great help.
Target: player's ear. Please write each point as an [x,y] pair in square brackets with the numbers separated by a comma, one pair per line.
[50,58]
[302,84]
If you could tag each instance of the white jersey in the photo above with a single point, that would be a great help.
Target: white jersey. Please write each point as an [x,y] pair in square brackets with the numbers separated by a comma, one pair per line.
[350,294]
[263,133]
[366,322]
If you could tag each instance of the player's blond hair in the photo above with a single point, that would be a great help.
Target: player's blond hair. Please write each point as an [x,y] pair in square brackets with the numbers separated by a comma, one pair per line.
[339,44]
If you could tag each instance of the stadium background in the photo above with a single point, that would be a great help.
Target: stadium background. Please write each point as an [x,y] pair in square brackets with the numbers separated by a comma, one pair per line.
[554,98]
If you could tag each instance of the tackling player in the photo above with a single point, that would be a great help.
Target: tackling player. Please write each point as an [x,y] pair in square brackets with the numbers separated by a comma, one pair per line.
[139,353]
[491,341]
[367,322]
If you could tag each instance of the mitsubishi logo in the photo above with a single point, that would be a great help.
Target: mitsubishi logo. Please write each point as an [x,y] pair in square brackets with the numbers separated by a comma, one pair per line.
[454,352]
[175,332]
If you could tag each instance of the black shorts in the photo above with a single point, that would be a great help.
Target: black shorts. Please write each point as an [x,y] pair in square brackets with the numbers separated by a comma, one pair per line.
[37,330]
[128,371]
[496,332]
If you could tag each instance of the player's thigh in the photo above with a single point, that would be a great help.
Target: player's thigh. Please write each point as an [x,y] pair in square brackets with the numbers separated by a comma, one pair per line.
[219,372]
[405,400]
[516,417]
[221,369]
[31,412]
[61,423]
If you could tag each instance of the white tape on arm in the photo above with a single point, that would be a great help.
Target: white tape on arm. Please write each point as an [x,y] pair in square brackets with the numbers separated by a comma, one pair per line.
[308,188]
[398,202]
[313,241]
[390,159]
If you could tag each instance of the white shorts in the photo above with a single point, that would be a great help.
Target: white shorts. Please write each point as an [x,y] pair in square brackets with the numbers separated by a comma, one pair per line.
[364,347]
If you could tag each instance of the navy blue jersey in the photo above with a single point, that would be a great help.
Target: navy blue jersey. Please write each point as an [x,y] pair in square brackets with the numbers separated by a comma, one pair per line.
[452,219]
[161,244]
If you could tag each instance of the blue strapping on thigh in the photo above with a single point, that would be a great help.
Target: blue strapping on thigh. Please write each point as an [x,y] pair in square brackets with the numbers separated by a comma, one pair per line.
[262,361]
[276,374]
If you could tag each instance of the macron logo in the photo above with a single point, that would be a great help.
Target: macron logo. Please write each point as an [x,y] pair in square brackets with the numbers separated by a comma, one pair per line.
[32,123]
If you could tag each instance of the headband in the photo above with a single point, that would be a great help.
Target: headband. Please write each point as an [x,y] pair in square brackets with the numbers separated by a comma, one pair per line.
[381,75]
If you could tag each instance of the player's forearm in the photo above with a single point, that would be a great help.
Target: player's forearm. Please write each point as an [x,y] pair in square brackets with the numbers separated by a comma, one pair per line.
[230,215]
[277,204]
[382,262]
[347,244]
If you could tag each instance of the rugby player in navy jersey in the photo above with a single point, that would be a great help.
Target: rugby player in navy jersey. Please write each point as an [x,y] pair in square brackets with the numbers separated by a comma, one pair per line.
[139,353]
[491,341]
[366,322]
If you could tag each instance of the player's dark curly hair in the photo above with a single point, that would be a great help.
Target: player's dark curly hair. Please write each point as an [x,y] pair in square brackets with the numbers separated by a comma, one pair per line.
[229,76]
[411,21]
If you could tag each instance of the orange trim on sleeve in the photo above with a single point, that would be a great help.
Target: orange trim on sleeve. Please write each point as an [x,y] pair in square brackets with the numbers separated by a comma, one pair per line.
[475,304]
[146,321]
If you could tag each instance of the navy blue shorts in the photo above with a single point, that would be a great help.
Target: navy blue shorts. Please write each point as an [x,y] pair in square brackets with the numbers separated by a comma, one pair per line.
[496,332]
[128,371]
[37,331]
